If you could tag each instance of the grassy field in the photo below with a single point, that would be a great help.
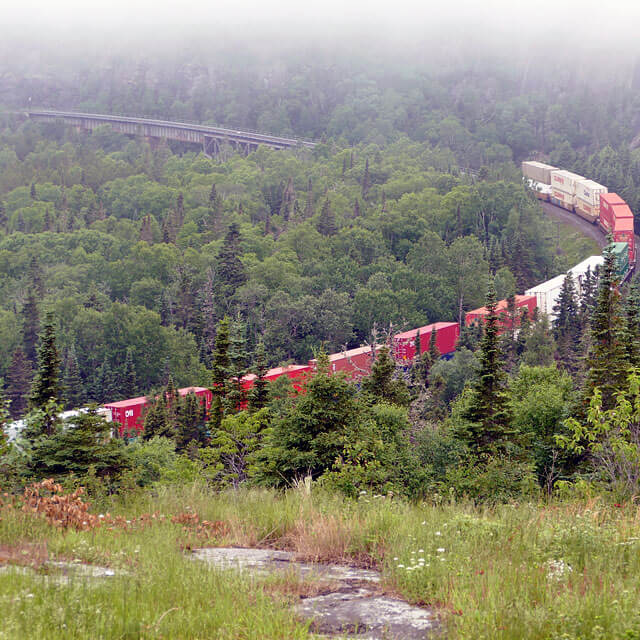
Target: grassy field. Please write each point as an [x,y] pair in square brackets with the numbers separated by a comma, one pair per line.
[571,245]
[561,570]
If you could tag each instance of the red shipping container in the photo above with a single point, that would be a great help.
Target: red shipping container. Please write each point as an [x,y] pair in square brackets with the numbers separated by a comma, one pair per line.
[356,363]
[522,302]
[130,413]
[292,371]
[612,206]
[447,334]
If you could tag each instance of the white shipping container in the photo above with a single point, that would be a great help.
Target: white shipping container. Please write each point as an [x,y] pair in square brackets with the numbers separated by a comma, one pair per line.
[537,171]
[565,180]
[589,191]
[547,293]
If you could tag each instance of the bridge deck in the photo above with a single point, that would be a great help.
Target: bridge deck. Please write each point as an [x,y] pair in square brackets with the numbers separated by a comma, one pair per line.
[187,132]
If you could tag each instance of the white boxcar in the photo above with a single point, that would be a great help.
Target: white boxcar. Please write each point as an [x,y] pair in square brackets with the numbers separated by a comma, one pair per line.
[547,293]
[565,180]
[537,171]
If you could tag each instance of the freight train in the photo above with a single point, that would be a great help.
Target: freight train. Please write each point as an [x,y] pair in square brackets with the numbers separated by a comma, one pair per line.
[570,191]
[586,198]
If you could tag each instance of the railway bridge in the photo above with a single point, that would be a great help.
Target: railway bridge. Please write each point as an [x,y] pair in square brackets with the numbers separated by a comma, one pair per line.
[210,137]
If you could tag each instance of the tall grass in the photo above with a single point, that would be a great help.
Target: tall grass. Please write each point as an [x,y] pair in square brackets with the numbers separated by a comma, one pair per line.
[566,570]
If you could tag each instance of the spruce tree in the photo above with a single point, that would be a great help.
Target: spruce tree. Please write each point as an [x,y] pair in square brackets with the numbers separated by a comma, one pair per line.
[18,383]
[156,420]
[327,221]
[219,373]
[259,395]
[3,216]
[230,272]
[434,352]
[366,180]
[486,414]
[382,384]
[308,207]
[46,385]
[607,363]
[72,382]
[129,386]
[46,389]
[107,388]
[30,327]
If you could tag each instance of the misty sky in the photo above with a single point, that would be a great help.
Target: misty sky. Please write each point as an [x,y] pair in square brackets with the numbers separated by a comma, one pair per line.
[588,15]
[593,30]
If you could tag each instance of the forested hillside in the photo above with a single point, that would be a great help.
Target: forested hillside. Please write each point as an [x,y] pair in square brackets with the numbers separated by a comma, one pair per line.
[140,251]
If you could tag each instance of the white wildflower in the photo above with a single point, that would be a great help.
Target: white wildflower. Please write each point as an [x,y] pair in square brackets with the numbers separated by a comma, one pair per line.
[440,550]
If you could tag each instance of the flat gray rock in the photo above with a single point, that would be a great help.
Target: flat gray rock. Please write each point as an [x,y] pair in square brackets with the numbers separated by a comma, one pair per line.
[263,561]
[354,609]
[367,616]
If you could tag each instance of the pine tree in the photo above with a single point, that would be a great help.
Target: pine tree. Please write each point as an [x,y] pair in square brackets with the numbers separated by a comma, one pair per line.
[383,204]
[434,352]
[146,232]
[230,272]
[238,360]
[632,324]
[566,326]
[607,358]
[259,395]
[107,383]
[36,277]
[382,384]
[308,207]
[156,421]
[327,221]
[366,181]
[180,210]
[33,194]
[46,384]
[129,386]
[219,373]
[487,416]
[356,209]
[72,382]
[3,216]
[215,209]
[18,383]
[30,327]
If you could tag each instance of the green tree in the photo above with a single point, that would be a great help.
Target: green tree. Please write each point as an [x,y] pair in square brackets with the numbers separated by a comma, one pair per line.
[18,383]
[234,445]
[46,384]
[382,383]
[219,373]
[30,327]
[72,382]
[607,363]
[156,419]
[309,437]
[486,415]
[326,221]
[566,326]
[259,395]
[82,445]
[129,385]
[230,272]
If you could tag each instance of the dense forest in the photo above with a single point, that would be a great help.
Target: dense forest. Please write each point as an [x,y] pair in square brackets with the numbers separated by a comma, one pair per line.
[131,255]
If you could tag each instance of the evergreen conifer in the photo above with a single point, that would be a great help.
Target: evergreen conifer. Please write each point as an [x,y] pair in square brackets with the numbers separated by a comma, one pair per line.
[18,383]
[72,382]
[487,416]
[30,327]
[607,363]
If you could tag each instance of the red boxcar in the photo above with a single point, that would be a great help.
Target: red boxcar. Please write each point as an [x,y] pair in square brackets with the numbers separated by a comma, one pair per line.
[356,363]
[522,302]
[130,413]
[447,334]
